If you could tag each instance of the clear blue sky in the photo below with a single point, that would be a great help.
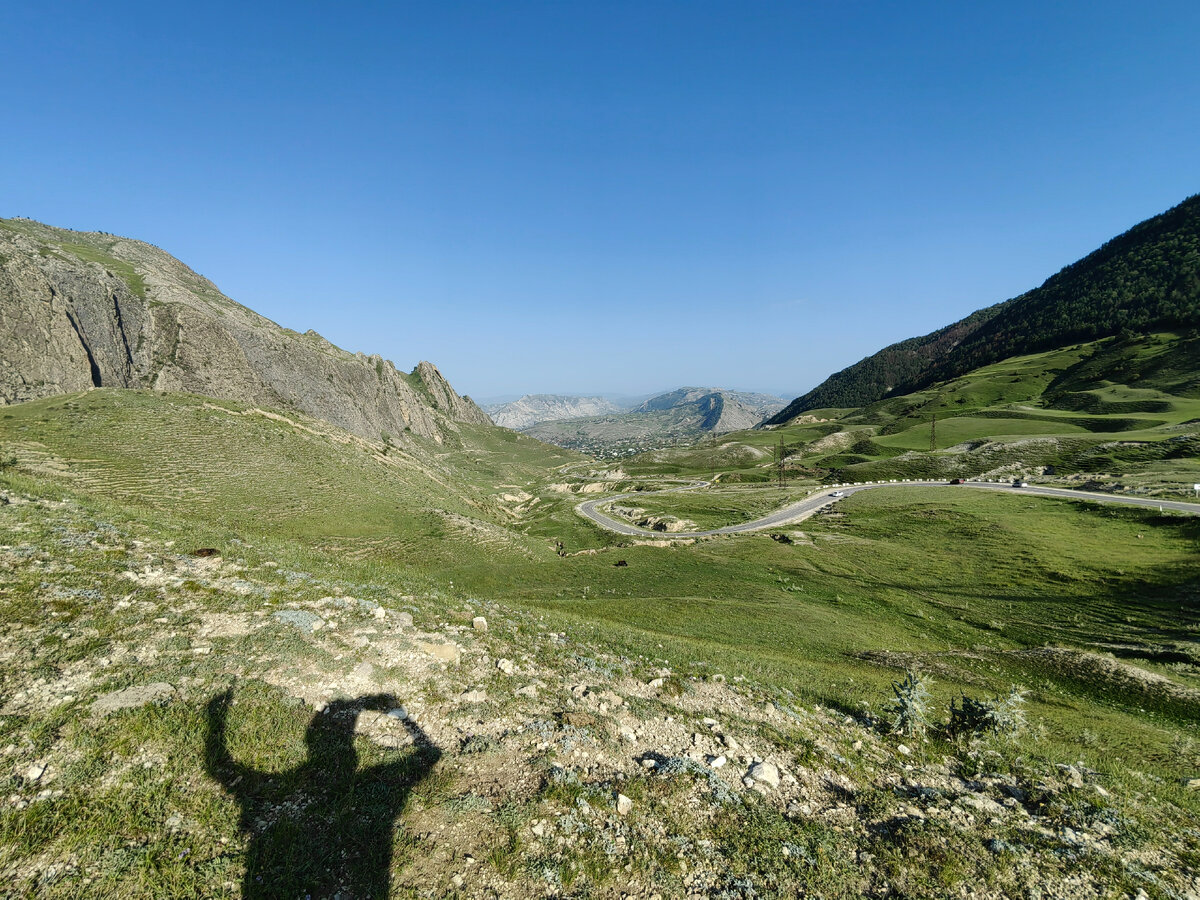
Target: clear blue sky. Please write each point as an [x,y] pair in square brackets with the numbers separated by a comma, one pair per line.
[577,197]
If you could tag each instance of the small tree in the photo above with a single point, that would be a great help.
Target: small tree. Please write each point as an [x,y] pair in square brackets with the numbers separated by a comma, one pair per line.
[912,704]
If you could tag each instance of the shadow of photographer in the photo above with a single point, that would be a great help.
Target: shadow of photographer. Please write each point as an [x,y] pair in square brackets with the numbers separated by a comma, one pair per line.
[324,828]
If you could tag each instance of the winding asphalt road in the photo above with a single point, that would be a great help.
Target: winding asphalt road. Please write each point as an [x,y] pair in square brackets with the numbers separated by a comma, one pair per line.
[796,512]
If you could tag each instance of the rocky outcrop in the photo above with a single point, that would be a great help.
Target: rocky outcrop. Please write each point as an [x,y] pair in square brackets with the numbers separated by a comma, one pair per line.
[534,408]
[87,309]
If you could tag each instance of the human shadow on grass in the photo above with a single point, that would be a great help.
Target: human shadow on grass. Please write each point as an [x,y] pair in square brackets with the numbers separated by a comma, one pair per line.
[325,827]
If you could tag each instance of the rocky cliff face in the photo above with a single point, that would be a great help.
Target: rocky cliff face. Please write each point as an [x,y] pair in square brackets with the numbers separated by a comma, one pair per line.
[87,309]
[534,408]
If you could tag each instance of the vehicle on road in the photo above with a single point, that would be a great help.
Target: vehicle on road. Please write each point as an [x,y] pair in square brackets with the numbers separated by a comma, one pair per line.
[1017,482]
[958,481]
[838,494]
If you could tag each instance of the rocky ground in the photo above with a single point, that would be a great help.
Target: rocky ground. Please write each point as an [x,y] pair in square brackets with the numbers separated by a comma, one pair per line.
[554,766]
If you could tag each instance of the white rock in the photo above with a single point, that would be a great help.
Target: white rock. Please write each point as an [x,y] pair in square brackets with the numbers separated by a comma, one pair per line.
[530,690]
[475,696]
[398,712]
[628,735]
[507,666]
[903,750]
[35,771]
[731,743]
[402,619]
[656,682]
[649,763]
[379,612]
[766,773]
[857,745]
[624,805]
[716,762]
[538,828]
[479,623]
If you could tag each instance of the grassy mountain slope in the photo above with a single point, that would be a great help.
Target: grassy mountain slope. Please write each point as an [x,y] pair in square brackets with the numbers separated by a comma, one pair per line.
[343,570]
[1143,280]
[1123,411]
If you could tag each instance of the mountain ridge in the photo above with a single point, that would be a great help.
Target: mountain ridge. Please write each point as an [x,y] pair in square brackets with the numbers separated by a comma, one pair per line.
[687,414]
[1147,277]
[534,408]
[91,309]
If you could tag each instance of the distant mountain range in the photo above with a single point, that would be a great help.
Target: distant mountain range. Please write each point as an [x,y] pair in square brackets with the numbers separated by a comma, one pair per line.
[1143,280]
[534,408]
[87,309]
[685,414]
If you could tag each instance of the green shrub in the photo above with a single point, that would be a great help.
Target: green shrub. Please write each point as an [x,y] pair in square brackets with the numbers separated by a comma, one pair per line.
[912,704]
[974,716]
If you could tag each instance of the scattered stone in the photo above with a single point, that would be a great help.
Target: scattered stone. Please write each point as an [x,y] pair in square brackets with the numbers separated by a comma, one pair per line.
[1192,784]
[402,619]
[398,712]
[530,690]
[379,612]
[364,670]
[716,762]
[445,652]
[731,743]
[132,697]
[765,773]
[302,619]
[479,623]
[577,719]
[628,735]
[656,683]
[624,805]
[1072,775]
[903,750]
[857,745]
[507,666]
[539,828]
[475,696]
[36,771]
[649,763]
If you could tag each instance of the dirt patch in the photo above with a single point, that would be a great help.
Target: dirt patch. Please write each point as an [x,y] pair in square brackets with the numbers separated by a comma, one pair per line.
[132,697]
[1096,666]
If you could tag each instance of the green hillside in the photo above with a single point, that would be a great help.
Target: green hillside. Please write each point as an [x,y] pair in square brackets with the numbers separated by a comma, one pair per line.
[176,547]
[1122,413]
[1146,279]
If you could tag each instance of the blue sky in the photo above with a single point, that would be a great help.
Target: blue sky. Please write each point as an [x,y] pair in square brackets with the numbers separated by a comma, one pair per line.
[606,197]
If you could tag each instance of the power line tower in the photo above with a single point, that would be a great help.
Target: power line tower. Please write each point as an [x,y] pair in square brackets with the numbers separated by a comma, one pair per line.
[933,434]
